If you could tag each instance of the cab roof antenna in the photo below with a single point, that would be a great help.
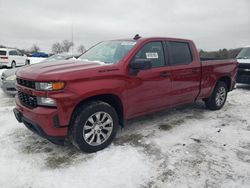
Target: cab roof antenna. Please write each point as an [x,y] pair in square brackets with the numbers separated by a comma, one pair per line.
[136,37]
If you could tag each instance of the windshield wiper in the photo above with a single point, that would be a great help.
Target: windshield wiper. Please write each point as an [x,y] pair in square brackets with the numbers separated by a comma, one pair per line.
[97,61]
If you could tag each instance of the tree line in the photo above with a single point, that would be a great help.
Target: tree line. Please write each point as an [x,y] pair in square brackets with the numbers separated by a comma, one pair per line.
[65,46]
[220,54]
[57,47]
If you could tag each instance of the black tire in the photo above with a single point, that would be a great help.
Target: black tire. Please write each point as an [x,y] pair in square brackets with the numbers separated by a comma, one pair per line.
[27,62]
[211,101]
[13,64]
[80,119]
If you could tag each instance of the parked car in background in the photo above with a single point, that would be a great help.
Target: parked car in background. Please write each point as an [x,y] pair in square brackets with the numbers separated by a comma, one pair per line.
[8,77]
[39,54]
[244,66]
[12,58]
[8,81]
[58,57]
[85,101]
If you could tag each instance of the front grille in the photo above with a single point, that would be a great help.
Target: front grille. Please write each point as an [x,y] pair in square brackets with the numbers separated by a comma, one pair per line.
[27,100]
[244,65]
[26,83]
[11,89]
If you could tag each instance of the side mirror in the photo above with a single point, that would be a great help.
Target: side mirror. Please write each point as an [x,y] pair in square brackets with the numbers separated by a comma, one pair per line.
[139,64]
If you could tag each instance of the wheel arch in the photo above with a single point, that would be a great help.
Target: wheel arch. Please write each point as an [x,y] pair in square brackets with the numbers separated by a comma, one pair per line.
[112,99]
[227,81]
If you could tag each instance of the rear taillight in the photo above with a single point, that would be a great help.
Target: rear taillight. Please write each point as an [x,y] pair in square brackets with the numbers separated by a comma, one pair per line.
[3,57]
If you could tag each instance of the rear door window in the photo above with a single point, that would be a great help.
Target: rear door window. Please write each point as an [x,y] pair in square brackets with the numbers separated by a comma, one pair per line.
[180,52]
[19,53]
[13,52]
[154,52]
[2,52]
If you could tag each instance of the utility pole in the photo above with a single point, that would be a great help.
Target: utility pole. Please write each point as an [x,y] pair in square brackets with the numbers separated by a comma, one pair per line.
[72,38]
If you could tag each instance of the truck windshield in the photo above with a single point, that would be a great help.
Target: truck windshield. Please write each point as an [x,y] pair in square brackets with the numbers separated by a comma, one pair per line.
[109,52]
[244,54]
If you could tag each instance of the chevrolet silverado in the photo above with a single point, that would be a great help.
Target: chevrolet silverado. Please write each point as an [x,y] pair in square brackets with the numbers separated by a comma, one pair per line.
[85,101]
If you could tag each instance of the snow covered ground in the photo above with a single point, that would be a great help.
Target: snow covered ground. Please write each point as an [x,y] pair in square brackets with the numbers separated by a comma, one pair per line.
[189,146]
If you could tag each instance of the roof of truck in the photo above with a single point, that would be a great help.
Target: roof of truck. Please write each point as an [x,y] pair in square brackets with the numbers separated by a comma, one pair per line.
[153,38]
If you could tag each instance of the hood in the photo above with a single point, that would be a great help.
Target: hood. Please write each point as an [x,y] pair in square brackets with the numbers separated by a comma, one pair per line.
[60,70]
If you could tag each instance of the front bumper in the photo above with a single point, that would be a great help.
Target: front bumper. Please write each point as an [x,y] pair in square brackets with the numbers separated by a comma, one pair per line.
[37,129]
[43,121]
[3,64]
[9,87]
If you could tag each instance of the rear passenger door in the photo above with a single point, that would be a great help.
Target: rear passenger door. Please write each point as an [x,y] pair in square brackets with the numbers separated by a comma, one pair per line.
[14,57]
[185,72]
[148,90]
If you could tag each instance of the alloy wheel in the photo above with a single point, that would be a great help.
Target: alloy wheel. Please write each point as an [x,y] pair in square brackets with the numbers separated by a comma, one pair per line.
[98,128]
[220,96]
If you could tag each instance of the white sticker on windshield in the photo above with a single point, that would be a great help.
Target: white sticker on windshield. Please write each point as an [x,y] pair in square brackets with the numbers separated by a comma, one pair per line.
[152,55]
[128,43]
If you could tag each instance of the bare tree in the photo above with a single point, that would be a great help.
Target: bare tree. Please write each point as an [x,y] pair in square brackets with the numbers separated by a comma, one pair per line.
[24,51]
[81,49]
[34,48]
[67,45]
[64,46]
[57,48]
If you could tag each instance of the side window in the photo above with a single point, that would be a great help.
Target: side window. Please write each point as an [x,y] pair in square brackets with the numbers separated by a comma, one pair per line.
[180,53]
[19,53]
[153,51]
[13,52]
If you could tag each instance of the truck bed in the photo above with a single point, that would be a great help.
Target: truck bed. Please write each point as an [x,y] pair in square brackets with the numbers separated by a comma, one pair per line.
[212,69]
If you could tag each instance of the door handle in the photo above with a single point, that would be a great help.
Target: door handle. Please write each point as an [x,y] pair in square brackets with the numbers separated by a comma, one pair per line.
[165,74]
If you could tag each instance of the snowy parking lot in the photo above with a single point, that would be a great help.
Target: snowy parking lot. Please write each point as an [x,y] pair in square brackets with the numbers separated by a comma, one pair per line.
[189,146]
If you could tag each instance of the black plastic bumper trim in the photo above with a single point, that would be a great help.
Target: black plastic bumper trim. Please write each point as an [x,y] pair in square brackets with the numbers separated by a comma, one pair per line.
[37,129]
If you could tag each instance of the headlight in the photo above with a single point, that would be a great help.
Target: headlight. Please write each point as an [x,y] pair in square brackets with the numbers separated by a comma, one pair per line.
[12,77]
[50,86]
[44,101]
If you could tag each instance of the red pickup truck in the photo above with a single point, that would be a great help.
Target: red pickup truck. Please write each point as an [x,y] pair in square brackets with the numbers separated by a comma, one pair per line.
[86,100]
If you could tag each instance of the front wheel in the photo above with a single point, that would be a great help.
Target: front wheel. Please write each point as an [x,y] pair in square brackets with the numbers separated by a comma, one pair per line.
[218,98]
[94,126]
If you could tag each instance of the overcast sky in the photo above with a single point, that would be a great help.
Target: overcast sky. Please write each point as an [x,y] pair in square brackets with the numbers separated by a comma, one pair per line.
[212,24]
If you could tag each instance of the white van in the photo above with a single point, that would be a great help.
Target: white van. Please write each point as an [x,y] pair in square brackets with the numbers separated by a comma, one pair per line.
[12,58]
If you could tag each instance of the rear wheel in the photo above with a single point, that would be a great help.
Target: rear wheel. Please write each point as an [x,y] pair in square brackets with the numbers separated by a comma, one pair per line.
[218,98]
[94,126]
[27,62]
[13,64]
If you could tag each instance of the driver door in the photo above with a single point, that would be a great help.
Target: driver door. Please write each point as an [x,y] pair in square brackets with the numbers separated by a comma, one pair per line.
[149,90]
